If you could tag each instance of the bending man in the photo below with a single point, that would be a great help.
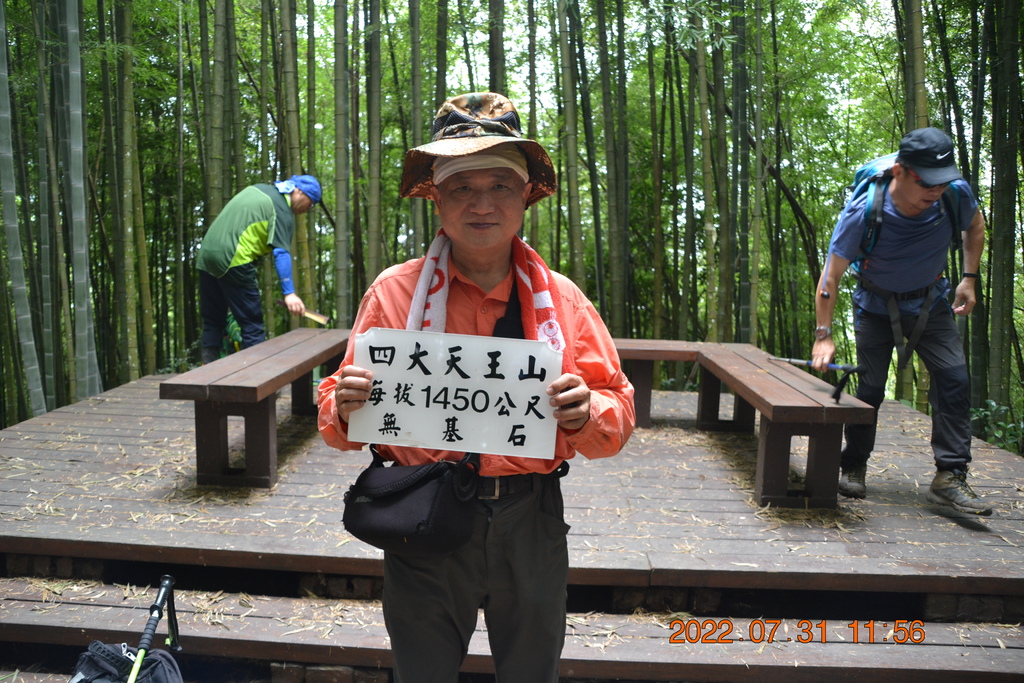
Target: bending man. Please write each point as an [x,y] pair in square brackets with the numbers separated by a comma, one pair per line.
[902,293]
[257,221]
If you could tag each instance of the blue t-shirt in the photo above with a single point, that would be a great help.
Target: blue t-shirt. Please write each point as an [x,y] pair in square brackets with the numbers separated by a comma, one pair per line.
[910,253]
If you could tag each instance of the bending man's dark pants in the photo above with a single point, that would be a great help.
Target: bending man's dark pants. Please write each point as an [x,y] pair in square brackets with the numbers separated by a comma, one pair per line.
[941,350]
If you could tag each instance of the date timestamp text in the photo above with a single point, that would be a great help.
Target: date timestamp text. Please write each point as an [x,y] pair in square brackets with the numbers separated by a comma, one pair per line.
[724,631]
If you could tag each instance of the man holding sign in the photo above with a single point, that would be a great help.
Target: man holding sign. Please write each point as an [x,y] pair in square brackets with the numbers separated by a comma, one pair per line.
[479,278]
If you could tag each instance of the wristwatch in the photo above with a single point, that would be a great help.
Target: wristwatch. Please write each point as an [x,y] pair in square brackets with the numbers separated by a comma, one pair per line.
[822,331]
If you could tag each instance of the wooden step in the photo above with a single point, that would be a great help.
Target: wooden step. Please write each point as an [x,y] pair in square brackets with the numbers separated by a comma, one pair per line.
[17,676]
[639,647]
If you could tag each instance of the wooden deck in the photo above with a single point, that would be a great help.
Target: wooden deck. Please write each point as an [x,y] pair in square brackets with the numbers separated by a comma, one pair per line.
[668,525]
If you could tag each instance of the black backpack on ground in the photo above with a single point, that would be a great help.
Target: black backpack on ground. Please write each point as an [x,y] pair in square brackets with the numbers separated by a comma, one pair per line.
[103,663]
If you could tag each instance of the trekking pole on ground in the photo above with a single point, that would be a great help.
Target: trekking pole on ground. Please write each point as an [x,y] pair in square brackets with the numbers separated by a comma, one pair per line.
[847,370]
[164,595]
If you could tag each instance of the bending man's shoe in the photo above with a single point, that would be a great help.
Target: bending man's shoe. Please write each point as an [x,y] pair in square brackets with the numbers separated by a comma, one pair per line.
[851,482]
[950,488]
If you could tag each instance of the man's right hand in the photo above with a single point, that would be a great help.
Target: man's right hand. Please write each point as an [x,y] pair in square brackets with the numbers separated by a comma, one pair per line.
[352,390]
[294,304]
[824,350]
[822,354]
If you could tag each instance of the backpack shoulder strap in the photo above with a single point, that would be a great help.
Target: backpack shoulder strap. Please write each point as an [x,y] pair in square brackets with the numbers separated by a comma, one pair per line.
[873,202]
[951,199]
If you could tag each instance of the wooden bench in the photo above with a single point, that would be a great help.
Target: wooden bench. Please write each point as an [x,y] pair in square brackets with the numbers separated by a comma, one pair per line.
[791,401]
[637,647]
[638,356]
[246,384]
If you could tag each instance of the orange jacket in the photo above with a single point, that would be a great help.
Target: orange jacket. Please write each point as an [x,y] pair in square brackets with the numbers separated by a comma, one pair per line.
[473,311]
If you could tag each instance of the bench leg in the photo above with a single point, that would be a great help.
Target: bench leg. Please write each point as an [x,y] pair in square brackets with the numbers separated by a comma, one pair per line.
[303,398]
[641,376]
[771,482]
[302,395]
[708,401]
[212,462]
[743,415]
[709,404]
[821,479]
[261,443]
[823,454]
[211,441]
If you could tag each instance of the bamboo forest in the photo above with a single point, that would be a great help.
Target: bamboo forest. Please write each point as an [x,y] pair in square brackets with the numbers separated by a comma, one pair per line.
[704,149]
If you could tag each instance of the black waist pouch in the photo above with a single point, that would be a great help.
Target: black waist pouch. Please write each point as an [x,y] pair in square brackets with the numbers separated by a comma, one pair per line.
[413,509]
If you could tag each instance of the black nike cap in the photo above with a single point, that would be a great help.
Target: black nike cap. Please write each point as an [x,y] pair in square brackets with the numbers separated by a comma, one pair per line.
[929,152]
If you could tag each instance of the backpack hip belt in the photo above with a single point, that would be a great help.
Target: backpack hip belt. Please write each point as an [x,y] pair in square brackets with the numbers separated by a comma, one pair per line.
[912,294]
[903,350]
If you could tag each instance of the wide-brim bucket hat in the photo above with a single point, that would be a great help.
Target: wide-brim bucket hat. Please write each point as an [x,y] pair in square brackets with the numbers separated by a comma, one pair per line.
[472,123]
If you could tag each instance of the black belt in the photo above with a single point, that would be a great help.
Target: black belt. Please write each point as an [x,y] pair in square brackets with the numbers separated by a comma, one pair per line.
[493,488]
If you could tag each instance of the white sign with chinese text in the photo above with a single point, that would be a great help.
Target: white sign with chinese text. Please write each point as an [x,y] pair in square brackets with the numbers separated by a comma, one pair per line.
[457,392]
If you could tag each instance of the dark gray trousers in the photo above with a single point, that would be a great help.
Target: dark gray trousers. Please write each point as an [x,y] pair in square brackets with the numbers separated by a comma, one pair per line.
[941,349]
[515,567]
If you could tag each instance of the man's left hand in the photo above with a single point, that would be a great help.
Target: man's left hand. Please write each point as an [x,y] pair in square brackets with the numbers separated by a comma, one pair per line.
[965,297]
[570,397]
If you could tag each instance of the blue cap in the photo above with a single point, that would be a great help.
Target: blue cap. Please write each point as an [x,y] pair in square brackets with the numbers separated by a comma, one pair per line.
[309,185]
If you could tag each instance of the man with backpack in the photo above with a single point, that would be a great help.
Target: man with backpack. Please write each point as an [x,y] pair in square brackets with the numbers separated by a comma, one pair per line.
[896,232]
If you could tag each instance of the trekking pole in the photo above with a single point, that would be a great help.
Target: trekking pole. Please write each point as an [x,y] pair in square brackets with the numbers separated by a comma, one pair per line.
[809,363]
[156,610]
[847,370]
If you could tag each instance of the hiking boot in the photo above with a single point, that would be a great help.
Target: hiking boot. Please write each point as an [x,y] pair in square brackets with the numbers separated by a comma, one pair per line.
[950,488]
[851,482]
